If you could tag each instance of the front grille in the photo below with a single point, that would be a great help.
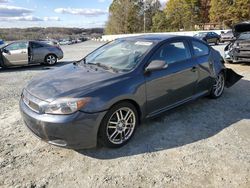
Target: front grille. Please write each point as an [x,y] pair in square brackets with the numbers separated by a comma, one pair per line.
[31,101]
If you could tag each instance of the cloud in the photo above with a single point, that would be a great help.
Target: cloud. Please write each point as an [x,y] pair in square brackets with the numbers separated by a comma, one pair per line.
[84,12]
[29,18]
[13,11]
[4,1]
[51,19]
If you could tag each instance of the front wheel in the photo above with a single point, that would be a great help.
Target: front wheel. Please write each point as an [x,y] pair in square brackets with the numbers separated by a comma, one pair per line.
[218,86]
[118,125]
[50,59]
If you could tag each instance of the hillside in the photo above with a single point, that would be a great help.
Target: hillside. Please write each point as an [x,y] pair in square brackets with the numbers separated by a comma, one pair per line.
[11,34]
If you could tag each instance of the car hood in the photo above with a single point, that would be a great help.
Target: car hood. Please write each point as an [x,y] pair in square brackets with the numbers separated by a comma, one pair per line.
[241,28]
[70,81]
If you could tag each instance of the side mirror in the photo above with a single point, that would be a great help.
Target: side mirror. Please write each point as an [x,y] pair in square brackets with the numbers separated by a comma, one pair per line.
[156,65]
[5,51]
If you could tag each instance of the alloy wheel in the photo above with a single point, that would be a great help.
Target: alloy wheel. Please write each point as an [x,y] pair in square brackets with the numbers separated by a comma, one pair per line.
[51,60]
[219,85]
[121,125]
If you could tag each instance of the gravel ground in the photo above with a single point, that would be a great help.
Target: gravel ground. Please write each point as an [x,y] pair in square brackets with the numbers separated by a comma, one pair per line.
[202,144]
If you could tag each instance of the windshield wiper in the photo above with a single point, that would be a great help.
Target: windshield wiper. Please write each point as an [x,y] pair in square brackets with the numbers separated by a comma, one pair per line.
[106,67]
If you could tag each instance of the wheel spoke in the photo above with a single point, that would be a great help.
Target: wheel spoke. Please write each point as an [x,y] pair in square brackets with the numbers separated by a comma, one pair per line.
[112,122]
[111,127]
[118,116]
[114,135]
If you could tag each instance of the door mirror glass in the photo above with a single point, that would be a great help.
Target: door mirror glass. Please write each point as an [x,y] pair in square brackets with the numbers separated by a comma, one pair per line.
[6,51]
[156,65]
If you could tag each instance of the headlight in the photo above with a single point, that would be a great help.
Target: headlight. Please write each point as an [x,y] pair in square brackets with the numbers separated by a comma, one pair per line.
[66,105]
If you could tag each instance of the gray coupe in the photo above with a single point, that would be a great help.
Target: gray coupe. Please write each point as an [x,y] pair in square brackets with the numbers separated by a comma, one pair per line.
[104,97]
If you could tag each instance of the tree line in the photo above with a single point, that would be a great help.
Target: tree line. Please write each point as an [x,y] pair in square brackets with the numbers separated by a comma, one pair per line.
[133,16]
[35,33]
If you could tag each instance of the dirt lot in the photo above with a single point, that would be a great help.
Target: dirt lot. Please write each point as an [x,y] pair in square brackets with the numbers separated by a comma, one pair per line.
[202,144]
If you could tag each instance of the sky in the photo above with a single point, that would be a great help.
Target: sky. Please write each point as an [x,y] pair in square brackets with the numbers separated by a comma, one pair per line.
[56,13]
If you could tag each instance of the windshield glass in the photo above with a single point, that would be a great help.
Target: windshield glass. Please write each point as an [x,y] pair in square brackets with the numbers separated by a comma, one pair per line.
[244,36]
[201,34]
[121,55]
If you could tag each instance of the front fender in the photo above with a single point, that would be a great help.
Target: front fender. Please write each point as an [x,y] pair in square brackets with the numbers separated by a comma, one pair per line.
[131,88]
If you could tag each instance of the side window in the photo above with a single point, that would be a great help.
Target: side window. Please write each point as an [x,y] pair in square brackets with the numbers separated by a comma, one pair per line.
[36,45]
[17,46]
[173,52]
[200,49]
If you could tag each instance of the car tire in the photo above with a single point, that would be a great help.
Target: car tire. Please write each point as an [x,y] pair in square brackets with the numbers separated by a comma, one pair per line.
[50,59]
[118,125]
[219,86]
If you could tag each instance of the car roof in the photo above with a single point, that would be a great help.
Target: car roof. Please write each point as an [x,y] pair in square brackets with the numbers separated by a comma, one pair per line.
[152,37]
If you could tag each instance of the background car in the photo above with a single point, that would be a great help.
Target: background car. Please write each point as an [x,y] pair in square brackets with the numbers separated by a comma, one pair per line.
[1,42]
[103,98]
[209,37]
[239,49]
[29,52]
[227,36]
[51,42]
[65,42]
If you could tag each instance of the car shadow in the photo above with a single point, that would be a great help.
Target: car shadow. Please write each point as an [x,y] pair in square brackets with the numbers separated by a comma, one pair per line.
[190,123]
[35,67]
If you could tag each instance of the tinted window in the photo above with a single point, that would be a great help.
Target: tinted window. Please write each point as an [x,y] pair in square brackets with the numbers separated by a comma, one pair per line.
[200,49]
[36,45]
[17,46]
[173,52]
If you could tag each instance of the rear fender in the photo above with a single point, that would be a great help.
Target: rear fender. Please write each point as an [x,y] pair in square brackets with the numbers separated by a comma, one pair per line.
[231,77]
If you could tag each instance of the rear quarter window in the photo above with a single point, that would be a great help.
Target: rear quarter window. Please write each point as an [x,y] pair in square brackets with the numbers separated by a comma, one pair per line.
[200,49]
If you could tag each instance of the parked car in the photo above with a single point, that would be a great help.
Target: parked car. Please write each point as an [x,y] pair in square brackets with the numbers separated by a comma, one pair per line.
[209,37]
[227,36]
[104,97]
[1,42]
[239,49]
[29,52]
[65,42]
[51,42]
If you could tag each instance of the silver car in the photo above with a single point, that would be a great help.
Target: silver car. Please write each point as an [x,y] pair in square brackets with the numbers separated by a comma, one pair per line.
[29,52]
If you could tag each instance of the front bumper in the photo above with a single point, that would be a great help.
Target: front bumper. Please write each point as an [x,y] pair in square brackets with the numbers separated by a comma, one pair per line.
[75,131]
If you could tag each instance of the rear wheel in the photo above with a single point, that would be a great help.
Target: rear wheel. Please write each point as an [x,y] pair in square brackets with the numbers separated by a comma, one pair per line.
[118,125]
[218,86]
[50,59]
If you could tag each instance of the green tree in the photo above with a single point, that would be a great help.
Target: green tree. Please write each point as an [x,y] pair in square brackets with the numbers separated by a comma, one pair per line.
[151,7]
[159,22]
[182,14]
[229,12]
[238,11]
[124,17]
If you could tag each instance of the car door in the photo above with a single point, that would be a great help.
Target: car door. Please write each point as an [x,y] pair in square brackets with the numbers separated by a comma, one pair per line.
[201,53]
[16,54]
[37,52]
[174,85]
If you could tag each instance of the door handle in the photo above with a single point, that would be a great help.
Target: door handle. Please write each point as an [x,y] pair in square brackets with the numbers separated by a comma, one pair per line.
[194,69]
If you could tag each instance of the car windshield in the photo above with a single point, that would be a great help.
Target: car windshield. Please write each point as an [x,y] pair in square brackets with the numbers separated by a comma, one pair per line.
[122,55]
[244,36]
[201,34]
